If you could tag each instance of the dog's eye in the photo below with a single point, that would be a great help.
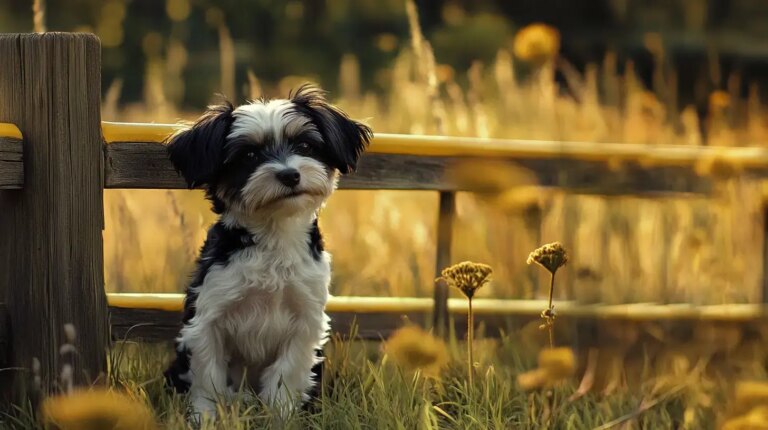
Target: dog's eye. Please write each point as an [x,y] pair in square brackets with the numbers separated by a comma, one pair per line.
[303,148]
[250,154]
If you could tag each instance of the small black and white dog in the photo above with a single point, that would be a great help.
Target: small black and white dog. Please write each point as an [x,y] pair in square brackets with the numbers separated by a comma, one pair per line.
[254,313]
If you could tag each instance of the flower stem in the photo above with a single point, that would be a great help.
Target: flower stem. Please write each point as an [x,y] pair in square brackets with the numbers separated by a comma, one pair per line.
[470,337]
[551,336]
[550,321]
[551,288]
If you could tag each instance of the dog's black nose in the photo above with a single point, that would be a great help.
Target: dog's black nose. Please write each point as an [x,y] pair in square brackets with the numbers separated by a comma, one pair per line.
[289,177]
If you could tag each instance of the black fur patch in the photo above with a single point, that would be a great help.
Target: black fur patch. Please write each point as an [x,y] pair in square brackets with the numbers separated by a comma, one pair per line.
[316,244]
[316,392]
[197,152]
[220,244]
[344,139]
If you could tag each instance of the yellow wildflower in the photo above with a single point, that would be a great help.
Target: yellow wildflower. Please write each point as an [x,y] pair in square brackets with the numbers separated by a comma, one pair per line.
[558,363]
[532,379]
[96,409]
[756,419]
[750,394]
[413,348]
[719,100]
[555,366]
[537,43]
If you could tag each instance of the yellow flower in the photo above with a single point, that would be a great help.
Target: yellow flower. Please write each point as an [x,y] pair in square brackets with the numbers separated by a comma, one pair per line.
[412,348]
[467,276]
[532,379]
[555,365]
[558,363]
[756,419]
[537,43]
[719,100]
[750,394]
[96,409]
[551,256]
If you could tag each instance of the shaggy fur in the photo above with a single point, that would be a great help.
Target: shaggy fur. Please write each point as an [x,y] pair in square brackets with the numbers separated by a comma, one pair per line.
[254,310]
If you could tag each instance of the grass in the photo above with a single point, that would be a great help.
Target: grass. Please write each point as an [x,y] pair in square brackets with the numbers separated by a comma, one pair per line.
[370,389]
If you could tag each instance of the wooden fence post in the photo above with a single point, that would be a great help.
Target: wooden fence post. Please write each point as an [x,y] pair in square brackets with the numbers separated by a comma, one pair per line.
[51,250]
[764,288]
[444,238]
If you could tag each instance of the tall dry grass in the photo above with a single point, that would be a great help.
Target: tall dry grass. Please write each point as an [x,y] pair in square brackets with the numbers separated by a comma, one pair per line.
[623,249]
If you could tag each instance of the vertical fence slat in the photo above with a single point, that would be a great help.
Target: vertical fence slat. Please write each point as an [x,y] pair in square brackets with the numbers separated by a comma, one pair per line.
[51,252]
[444,237]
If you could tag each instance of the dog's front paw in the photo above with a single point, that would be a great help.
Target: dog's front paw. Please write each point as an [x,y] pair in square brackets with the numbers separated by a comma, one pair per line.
[202,408]
[282,400]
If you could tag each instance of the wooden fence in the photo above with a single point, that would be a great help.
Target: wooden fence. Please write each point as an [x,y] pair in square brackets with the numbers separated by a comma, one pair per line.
[57,157]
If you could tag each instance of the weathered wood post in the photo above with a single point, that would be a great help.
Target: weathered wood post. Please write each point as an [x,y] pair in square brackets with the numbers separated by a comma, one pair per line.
[764,288]
[51,250]
[444,237]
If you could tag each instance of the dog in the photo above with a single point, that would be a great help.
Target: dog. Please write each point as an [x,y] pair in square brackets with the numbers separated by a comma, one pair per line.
[254,312]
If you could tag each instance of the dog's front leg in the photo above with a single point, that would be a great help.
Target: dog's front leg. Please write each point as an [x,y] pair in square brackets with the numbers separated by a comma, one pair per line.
[286,382]
[208,365]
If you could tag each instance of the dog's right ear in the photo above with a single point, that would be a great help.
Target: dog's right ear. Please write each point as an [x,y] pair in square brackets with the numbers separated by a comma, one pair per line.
[196,152]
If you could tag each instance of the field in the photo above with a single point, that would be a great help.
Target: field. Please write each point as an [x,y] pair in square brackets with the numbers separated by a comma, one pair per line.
[670,249]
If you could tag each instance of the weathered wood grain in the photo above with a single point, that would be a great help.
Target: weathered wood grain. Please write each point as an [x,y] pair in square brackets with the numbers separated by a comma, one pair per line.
[153,325]
[582,332]
[11,164]
[445,218]
[145,165]
[5,331]
[51,253]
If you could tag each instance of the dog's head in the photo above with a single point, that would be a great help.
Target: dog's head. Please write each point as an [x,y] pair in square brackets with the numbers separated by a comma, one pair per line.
[269,156]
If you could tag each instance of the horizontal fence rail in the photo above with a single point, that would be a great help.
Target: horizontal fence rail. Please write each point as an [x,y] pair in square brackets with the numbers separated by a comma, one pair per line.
[11,164]
[156,317]
[406,162]
[135,158]
[402,305]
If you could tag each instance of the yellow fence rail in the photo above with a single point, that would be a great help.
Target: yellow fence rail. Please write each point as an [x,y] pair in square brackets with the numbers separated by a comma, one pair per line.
[656,155]
[404,305]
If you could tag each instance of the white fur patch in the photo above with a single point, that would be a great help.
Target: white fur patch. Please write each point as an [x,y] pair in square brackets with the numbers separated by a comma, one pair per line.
[258,120]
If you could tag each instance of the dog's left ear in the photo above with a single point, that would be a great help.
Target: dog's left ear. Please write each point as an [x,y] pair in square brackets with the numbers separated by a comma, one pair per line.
[197,152]
[345,139]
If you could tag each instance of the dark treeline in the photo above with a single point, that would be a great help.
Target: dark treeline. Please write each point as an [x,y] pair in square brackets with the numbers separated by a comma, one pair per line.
[275,39]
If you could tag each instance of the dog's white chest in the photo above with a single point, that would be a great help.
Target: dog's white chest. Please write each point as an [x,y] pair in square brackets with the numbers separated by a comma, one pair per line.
[264,298]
